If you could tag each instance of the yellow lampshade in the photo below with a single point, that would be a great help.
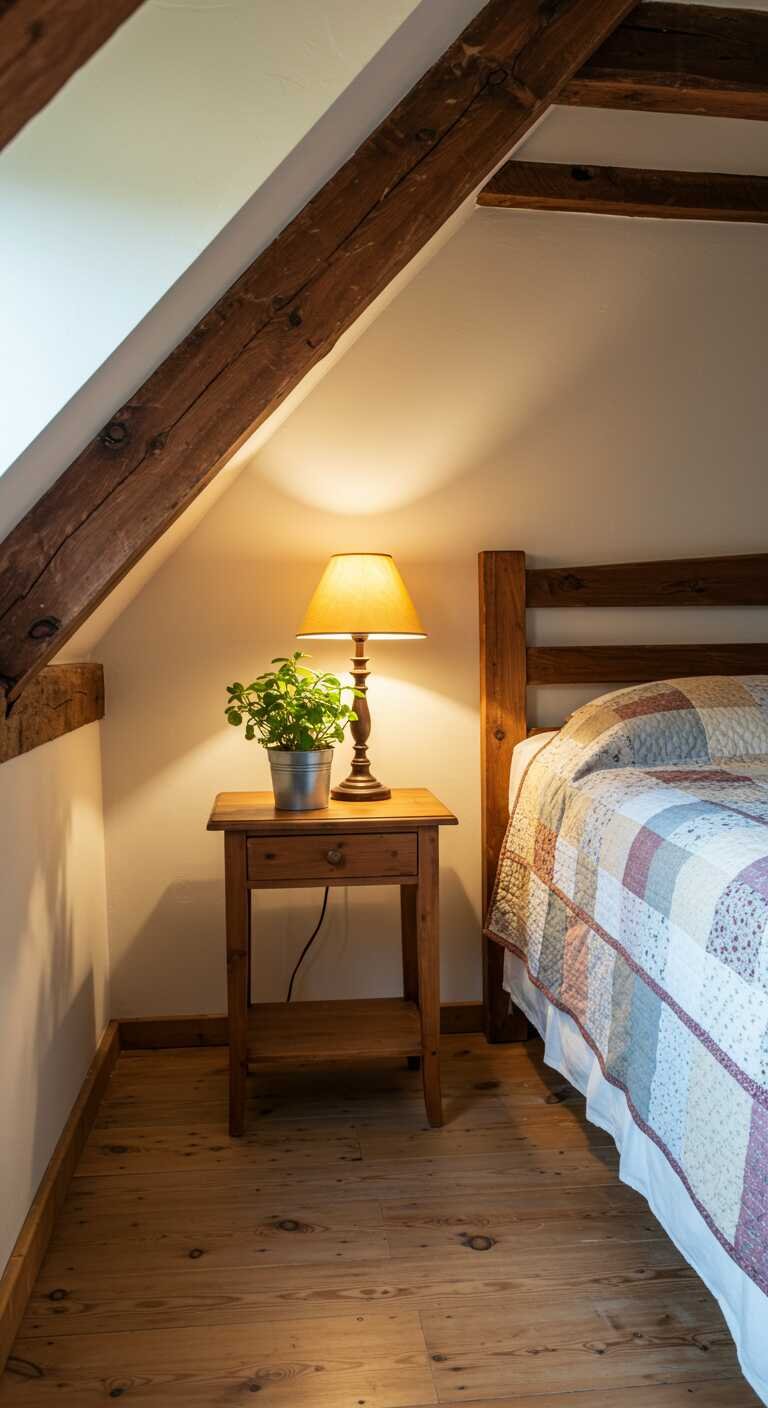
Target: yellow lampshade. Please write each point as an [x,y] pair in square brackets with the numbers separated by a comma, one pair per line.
[361,594]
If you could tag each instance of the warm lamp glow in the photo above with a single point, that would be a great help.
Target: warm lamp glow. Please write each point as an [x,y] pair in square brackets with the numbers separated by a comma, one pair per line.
[361,594]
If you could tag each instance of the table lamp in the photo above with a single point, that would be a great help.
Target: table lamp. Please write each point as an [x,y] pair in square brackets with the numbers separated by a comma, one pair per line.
[362,595]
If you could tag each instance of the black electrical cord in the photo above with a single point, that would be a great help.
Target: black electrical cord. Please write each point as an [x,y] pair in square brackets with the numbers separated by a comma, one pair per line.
[308,944]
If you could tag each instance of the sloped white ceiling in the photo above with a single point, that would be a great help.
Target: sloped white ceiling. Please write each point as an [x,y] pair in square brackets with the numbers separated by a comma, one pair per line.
[116,187]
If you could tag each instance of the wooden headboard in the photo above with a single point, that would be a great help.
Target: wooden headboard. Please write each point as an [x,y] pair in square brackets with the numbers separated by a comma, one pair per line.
[508,665]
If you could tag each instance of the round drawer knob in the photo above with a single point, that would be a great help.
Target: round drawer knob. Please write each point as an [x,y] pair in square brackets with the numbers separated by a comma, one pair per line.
[334,857]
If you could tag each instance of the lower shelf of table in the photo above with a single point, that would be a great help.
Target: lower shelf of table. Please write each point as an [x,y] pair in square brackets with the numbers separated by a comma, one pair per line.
[301,1032]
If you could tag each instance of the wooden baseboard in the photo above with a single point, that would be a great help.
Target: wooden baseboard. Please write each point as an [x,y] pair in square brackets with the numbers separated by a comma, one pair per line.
[157,1033]
[32,1242]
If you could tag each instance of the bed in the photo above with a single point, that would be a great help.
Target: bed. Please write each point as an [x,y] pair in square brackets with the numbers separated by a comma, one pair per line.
[626,899]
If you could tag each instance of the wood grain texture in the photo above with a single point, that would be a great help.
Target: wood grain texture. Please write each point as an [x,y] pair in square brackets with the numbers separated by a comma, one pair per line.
[502,726]
[428,961]
[696,581]
[255,812]
[290,855]
[32,1243]
[627,190]
[330,858]
[176,1030]
[408,942]
[283,315]
[43,42]
[296,1033]
[589,1343]
[410,956]
[238,912]
[634,664]
[61,698]
[211,1029]
[403,1273]
[679,58]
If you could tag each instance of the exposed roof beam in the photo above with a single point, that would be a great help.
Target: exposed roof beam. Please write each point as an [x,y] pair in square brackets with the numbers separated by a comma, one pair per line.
[627,190]
[42,43]
[62,698]
[282,316]
[680,58]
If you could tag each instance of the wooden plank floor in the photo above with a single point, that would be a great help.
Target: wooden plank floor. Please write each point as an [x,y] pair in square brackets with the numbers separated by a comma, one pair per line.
[344,1255]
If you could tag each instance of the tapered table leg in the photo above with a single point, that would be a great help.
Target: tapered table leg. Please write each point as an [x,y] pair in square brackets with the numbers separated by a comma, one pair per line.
[238,951]
[428,945]
[408,928]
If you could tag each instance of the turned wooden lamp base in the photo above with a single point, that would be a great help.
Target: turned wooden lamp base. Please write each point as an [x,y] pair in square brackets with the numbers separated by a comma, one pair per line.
[360,789]
[360,785]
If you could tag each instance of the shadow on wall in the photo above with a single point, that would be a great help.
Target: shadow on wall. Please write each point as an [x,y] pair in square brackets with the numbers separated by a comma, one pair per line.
[168,750]
[357,952]
[50,1012]
[242,610]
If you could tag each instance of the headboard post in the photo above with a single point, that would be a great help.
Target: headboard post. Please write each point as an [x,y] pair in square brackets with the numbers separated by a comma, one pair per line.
[503,724]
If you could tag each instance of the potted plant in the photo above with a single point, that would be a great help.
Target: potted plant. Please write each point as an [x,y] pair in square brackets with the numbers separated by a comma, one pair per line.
[297,714]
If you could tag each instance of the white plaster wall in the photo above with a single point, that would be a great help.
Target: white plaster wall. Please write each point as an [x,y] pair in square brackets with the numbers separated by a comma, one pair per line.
[584,388]
[53,954]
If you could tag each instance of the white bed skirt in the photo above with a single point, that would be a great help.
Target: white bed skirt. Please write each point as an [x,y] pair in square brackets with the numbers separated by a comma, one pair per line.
[644,1168]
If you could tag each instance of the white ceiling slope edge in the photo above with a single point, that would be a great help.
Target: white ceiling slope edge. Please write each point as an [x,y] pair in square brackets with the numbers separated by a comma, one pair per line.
[160,171]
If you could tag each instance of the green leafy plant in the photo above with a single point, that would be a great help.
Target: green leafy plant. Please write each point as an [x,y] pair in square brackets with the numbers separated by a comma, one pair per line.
[292,708]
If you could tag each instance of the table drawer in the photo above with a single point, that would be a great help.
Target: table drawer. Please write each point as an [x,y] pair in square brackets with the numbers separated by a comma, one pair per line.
[327,858]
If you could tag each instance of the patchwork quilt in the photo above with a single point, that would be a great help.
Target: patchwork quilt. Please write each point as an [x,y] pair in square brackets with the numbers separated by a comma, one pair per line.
[634,884]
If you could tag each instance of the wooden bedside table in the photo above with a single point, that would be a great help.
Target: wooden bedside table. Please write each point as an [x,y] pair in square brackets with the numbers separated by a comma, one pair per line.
[394,842]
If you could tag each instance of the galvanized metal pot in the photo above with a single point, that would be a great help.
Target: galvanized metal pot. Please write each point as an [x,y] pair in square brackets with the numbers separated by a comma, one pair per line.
[301,782]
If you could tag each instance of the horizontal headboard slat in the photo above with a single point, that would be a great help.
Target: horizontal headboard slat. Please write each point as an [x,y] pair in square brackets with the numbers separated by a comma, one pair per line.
[702,581]
[636,664]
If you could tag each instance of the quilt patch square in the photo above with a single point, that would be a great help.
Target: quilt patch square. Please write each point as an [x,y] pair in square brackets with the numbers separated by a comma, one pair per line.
[645,936]
[618,1050]
[752,1229]
[669,1086]
[641,855]
[600,965]
[740,922]
[644,1021]
[717,1128]
[575,985]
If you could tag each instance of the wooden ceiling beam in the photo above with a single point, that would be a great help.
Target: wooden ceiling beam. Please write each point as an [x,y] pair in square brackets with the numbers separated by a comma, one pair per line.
[626,190]
[286,312]
[60,699]
[42,43]
[679,58]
